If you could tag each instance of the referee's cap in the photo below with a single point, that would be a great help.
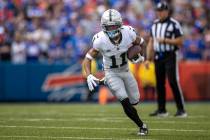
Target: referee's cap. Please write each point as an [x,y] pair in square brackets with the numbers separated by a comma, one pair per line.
[162,6]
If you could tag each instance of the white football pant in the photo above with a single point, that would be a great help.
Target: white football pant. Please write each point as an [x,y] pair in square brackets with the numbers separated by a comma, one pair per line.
[123,85]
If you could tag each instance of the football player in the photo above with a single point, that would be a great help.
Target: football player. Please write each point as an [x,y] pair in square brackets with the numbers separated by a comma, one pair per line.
[113,43]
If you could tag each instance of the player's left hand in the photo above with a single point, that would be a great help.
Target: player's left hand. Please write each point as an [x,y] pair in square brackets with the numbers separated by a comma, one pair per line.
[92,82]
[138,60]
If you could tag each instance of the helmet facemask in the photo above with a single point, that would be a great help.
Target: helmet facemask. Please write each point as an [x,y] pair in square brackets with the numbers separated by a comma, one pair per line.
[112,30]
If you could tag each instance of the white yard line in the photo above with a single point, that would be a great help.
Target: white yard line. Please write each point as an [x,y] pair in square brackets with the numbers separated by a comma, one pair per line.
[83,114]
[64,120]
[98,128]
[177,122]
[78,138]
[105,119]
[191,117]
[50,137]
[88,114]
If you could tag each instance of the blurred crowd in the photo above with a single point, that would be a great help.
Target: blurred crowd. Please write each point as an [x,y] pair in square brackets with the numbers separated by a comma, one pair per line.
[60,31]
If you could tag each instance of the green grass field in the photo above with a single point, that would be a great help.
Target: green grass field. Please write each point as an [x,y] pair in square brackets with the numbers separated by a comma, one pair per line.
[97,122]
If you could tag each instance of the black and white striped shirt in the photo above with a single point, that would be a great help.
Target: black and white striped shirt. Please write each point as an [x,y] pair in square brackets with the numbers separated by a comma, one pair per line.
[169,28]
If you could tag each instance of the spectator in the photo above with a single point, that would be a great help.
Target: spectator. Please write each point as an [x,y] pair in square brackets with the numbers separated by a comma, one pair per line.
[18,51]
[55,51]
[42,36]
[4,44]
[206,52]
[193,46]
[32,50]
[82,42]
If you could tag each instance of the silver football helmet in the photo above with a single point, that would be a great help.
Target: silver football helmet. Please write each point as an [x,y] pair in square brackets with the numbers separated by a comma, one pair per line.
[111,22]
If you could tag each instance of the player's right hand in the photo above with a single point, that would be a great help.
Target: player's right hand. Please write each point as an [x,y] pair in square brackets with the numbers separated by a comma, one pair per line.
[92,82]
[138,60]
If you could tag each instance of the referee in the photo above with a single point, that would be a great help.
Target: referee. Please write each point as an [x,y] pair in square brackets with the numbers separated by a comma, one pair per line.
[165,39]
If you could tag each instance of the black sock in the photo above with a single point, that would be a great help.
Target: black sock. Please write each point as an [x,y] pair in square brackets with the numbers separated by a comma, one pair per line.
[131,112]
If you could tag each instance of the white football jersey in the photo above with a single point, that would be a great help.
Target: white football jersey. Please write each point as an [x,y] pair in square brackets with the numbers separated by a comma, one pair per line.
[115,56]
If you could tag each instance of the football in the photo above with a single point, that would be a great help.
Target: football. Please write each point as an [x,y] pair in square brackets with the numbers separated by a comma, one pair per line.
[133,52]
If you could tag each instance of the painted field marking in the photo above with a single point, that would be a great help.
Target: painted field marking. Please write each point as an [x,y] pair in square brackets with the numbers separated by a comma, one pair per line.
[83,114]
[78,138]
[98,128]
[105,119]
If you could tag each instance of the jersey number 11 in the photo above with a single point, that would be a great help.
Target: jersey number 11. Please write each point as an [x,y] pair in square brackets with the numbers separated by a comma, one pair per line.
[114,62]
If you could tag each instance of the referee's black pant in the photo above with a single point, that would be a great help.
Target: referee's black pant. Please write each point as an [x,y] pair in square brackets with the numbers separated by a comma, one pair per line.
[166,65]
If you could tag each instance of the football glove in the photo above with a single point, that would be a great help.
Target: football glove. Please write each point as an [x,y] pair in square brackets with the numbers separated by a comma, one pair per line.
[137,60]
[92,82]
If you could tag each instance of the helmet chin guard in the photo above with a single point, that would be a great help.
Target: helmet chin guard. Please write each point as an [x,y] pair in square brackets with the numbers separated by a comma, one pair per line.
[113,34]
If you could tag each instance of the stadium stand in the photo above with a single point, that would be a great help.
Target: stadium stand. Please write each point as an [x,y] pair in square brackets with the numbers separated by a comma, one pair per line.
[59,31]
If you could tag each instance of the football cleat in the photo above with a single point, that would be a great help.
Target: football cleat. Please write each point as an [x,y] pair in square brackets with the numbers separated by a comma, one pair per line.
[181,114]
[159,113]
[143,130]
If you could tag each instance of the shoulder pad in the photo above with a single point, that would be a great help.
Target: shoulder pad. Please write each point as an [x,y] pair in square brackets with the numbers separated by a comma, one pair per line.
[130,28]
